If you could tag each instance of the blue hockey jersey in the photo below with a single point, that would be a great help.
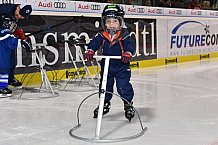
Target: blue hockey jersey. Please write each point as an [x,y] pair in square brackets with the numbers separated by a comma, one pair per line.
[8,42]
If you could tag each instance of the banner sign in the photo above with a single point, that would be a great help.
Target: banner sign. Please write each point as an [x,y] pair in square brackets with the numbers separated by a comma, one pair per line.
[174,12]
[133,9]
[154,11]
[195,13]
[58,52]
[94,7]
[51,5]
[212,13]
[88,7]
[191,37]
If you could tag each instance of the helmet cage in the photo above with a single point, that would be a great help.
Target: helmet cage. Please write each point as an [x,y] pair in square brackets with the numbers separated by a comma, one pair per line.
[10,23]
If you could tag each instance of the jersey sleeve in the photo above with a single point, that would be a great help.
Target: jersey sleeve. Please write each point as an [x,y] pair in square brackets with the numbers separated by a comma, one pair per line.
[129,45]
[11,42]
[96,42]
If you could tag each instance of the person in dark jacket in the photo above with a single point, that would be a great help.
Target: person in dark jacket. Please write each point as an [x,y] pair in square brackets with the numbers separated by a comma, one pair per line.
[8,43]
[115,41]
[15,11]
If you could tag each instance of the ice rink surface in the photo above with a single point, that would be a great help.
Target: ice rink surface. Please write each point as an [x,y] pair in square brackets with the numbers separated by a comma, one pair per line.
[177,103]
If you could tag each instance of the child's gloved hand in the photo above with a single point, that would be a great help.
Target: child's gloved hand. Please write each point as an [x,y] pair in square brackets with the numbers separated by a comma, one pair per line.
[126,56]
[19,33]
[89,54]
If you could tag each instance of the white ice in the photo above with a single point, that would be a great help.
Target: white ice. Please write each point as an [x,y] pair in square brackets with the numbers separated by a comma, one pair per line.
[177,103]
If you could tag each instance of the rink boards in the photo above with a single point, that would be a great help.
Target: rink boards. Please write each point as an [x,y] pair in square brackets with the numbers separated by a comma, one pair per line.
[159,39]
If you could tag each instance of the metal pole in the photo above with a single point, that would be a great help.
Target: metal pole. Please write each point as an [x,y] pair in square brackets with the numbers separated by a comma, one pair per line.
[102,93]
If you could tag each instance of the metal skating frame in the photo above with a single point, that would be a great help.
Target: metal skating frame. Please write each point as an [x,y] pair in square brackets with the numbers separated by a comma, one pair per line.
[45,81]
[79,53]
[100,111]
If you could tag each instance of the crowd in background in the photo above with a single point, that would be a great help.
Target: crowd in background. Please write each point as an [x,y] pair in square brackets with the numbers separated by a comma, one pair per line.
[186,4]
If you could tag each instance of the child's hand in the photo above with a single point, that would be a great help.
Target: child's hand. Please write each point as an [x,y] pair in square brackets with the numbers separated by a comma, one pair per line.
[126,56]
[89,54]
[19,33]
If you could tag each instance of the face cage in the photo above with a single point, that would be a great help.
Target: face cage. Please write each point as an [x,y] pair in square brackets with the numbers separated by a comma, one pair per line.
[11,25]
[112,31]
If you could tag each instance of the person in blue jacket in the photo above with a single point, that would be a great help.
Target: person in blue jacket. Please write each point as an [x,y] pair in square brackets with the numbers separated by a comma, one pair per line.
[15,11]
[115,40]
[8,43]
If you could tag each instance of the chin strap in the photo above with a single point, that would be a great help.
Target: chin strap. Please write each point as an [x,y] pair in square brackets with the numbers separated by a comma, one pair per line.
[112,31]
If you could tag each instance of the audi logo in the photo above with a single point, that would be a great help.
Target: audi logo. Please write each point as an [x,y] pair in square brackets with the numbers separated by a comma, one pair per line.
[95,7]
[60,5]
[141,10]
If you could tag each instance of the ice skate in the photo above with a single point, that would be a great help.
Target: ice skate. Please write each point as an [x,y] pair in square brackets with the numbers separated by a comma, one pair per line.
[5,92]
[129,111]
[106,109]
[16,83]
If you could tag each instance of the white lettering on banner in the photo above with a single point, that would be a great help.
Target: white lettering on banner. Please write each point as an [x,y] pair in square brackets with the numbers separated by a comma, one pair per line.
[144,38]
[51,48]
[68,54]
[34,59]
[67,49]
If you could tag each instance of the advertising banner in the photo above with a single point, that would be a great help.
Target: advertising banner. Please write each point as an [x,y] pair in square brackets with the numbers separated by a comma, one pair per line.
[191,37]
[51,5]
[195,13]
[57,53]
[174,12]
[155,11]
[132,9]
[212,13]
[88,7]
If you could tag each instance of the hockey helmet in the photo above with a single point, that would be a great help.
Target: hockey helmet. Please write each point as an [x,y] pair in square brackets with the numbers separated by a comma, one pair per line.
[113,11]
[9,23]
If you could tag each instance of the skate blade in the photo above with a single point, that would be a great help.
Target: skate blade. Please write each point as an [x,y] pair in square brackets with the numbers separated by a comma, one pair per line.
[5,95]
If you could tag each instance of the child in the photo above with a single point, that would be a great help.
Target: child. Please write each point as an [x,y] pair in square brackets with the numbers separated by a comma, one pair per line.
[14,10]
[8,43]
[115,41]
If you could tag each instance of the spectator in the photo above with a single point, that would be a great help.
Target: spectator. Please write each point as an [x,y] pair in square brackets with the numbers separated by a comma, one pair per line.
[109,1]
[165,3]
[194,5]
[205,5]
[127,2]
[146,3]
[180,4]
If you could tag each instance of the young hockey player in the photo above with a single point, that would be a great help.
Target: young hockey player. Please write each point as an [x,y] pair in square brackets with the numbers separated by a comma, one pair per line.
[8,43]
[14,10]
[115,41]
